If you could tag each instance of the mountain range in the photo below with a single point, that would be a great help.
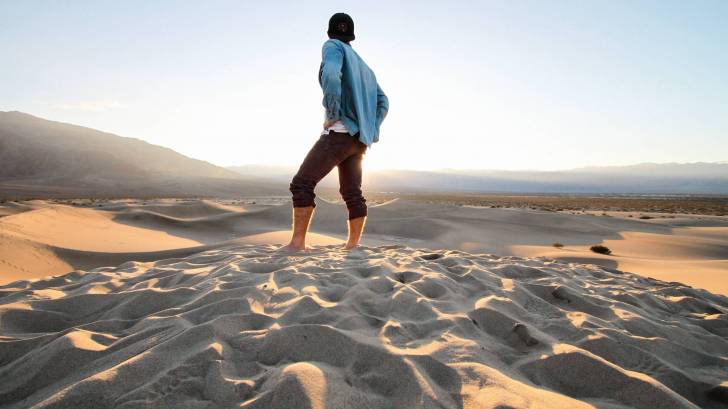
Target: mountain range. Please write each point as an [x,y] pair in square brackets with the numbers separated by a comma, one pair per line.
[646,178]
[42,158]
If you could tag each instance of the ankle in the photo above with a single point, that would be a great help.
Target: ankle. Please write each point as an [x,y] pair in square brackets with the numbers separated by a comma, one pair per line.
[297,242]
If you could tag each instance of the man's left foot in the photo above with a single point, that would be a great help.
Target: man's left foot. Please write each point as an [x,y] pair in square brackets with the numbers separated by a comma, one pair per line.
[348,246]
[290,248]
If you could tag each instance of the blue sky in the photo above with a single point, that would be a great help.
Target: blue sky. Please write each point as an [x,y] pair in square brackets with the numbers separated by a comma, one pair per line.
[472,84]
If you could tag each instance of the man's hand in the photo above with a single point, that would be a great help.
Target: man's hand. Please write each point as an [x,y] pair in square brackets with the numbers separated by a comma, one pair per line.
[328,124]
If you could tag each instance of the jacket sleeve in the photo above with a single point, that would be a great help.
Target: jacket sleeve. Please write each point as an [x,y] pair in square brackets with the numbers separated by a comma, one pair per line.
[333,59]
[382,105]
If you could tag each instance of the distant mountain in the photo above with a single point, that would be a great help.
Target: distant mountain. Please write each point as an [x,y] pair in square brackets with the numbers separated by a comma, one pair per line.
[270,172]
[41,158]
[646,178]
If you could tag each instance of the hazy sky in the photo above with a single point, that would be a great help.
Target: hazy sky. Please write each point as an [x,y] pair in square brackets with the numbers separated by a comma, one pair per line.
[472,84]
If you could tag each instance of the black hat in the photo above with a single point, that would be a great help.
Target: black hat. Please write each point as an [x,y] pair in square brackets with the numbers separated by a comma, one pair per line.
[341,27]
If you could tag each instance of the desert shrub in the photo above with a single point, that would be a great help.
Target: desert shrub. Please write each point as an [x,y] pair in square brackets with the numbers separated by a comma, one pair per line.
[598,248]
[558,245]
[645,217]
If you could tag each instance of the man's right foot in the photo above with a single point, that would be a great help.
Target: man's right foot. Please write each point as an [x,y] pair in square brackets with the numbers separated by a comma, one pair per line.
[349,246]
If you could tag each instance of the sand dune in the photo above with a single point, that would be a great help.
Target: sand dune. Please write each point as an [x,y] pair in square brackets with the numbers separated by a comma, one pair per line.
[24,259]
[46,239]
[87,229]
[382,327]
[11,208]
[696,256]
[41,238]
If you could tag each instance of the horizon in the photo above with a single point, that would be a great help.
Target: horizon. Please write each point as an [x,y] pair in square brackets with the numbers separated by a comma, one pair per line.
[522,87]
[435,170]
[506,170]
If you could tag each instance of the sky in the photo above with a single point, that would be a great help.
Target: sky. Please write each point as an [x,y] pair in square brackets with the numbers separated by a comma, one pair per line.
[537,85]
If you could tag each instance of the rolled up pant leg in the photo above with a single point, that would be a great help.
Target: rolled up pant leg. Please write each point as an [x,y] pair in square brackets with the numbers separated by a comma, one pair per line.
[350,174]
[319,161]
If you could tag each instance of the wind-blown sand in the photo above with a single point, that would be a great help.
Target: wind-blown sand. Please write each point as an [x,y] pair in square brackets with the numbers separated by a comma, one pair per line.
[381,327]
[693,255]
[40,238]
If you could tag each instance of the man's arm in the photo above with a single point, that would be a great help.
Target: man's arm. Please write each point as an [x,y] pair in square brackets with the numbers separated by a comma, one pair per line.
[382,105]
[333,59]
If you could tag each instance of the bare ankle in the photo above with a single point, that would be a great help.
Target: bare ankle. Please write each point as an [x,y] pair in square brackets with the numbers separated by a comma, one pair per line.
[301,218]
[356,228]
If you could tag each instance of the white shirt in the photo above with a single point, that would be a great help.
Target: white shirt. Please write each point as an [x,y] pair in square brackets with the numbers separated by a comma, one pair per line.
[338,126]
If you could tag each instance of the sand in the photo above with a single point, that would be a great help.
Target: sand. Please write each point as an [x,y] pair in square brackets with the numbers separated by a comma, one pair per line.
[87,229]
[40,238]
[381,327]
[695,256]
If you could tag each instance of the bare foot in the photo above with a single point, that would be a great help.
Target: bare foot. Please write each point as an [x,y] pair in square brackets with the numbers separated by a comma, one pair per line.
[293,248]
[349,246]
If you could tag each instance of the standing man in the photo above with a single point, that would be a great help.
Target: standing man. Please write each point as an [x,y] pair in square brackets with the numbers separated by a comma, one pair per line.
[355,108]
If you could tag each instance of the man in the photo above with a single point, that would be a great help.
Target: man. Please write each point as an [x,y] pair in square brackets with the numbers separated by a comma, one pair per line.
[355,108]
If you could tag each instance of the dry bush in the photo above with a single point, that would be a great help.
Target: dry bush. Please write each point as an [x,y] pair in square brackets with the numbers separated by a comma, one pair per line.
[598,248]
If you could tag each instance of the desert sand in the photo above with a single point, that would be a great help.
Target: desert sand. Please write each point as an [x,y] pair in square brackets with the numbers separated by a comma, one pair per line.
[42,238]
[694,255]
[210,314]
[380,327]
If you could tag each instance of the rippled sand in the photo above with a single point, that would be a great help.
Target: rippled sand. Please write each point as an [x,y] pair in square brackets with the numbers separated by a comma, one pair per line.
[380,327]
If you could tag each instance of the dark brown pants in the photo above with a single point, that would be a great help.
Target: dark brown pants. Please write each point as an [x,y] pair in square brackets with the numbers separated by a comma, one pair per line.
[335,149]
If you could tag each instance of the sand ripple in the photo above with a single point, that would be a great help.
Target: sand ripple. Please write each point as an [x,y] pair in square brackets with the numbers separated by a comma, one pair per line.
[384,327]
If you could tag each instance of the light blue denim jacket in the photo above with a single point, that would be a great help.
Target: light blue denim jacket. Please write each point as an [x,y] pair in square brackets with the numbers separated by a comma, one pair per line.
[351,92]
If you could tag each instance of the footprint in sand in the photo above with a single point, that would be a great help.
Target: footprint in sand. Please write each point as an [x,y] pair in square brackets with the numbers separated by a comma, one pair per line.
[560,293]
[522,331]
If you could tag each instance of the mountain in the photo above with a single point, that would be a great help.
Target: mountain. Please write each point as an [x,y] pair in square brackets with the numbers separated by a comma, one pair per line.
[276,173]
[646,178]
[42,158]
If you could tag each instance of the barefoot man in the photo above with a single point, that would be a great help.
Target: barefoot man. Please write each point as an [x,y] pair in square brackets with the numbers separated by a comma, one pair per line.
[355,108]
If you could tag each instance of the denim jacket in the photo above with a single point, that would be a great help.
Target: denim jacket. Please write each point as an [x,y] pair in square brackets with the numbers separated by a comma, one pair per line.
[351,92]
